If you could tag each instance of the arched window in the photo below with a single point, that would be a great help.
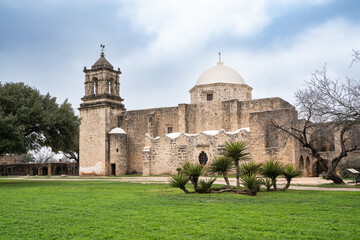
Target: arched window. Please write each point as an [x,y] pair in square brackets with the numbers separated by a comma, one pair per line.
[109,87]
[203,158]
[95,84]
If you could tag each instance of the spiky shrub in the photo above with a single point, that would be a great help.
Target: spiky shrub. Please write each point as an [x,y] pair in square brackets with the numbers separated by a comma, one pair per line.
[289,172]
[206,184]
[267,182]
[272,169]
[179,181]
[222,165]
[237,151]
[193,171]
[251,182]
[248,168]
[178,170]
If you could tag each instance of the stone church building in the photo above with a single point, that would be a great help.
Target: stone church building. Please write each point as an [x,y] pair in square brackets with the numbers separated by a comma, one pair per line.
[114,141]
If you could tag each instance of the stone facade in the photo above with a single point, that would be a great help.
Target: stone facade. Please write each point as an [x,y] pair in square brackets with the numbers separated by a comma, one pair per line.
[114,141]
[220,92]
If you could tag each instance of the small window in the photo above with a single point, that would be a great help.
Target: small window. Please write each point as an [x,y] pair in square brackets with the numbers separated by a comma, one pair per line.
[169,130]
[209,97]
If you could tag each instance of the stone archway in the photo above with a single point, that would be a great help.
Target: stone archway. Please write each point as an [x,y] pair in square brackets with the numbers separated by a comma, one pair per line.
[301,163]
[35,171]
[317,169]
[58,171]
[308,166]
[203,158]
[44,171]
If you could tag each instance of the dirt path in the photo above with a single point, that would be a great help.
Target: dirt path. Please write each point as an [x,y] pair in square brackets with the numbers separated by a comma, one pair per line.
[311,182]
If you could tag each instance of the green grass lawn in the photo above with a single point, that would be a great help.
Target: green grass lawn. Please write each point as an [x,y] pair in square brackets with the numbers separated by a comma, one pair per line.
[115,210]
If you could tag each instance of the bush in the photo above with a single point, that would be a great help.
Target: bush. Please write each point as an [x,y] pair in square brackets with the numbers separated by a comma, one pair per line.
[206,184]
[267,182]
[272,169]
[179,181]
[348,163]
[249,168]
[251,182]
[193,171]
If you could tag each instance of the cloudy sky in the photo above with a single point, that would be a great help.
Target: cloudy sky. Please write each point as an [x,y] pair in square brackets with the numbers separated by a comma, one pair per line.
[163,46]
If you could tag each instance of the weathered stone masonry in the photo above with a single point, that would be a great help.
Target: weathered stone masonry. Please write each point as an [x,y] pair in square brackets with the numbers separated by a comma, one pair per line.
[114,141]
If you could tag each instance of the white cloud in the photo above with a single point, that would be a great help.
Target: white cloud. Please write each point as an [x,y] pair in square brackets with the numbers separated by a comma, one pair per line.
[179,25]
[280,71]
[277,71]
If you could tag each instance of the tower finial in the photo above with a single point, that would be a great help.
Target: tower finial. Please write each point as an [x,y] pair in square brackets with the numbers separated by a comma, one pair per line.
[102,49]
[219,56]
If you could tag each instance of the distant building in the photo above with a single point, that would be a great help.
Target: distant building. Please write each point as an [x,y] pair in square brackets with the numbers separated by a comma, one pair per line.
[114,141]
[12,165]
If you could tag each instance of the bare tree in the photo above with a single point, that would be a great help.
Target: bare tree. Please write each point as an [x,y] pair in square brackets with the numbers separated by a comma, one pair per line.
[43,155]
[326,107]
[356,56]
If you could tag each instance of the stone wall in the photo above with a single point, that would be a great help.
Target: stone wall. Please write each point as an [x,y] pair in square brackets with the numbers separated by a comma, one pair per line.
[138,123]
[163,155]
[220,92]
[272,143]
[96,122]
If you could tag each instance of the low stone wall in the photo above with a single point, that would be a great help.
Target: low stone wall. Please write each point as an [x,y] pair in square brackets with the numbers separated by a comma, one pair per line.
[163,155]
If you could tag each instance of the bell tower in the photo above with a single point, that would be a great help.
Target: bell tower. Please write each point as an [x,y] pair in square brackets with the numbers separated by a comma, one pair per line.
[98,112]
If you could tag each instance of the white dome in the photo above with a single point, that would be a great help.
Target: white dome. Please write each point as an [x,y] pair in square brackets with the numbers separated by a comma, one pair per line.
[220,74]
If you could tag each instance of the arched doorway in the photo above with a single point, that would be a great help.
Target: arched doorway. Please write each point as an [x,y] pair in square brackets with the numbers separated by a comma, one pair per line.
[317,169]
[308,168]
[35,171]
[113,169]
[44,171]
[58,171]
[203,158]
[301,163]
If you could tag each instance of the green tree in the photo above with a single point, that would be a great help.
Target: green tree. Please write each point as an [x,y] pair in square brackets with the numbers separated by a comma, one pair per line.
[222,165]
[29,121]
[237,151]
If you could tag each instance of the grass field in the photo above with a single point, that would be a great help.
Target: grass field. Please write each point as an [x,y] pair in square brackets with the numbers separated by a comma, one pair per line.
[114,210]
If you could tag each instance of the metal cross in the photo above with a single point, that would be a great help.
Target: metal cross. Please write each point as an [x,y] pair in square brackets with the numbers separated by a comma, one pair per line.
[102,48]
[219,56]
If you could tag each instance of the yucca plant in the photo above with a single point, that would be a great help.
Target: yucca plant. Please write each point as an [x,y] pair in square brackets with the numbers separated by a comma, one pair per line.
[267,182]
[251,182]
[206,184]
[222,165]
[248,168]
[289,172]
[272,169]
[193,171]
[237,151]
[179,181]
